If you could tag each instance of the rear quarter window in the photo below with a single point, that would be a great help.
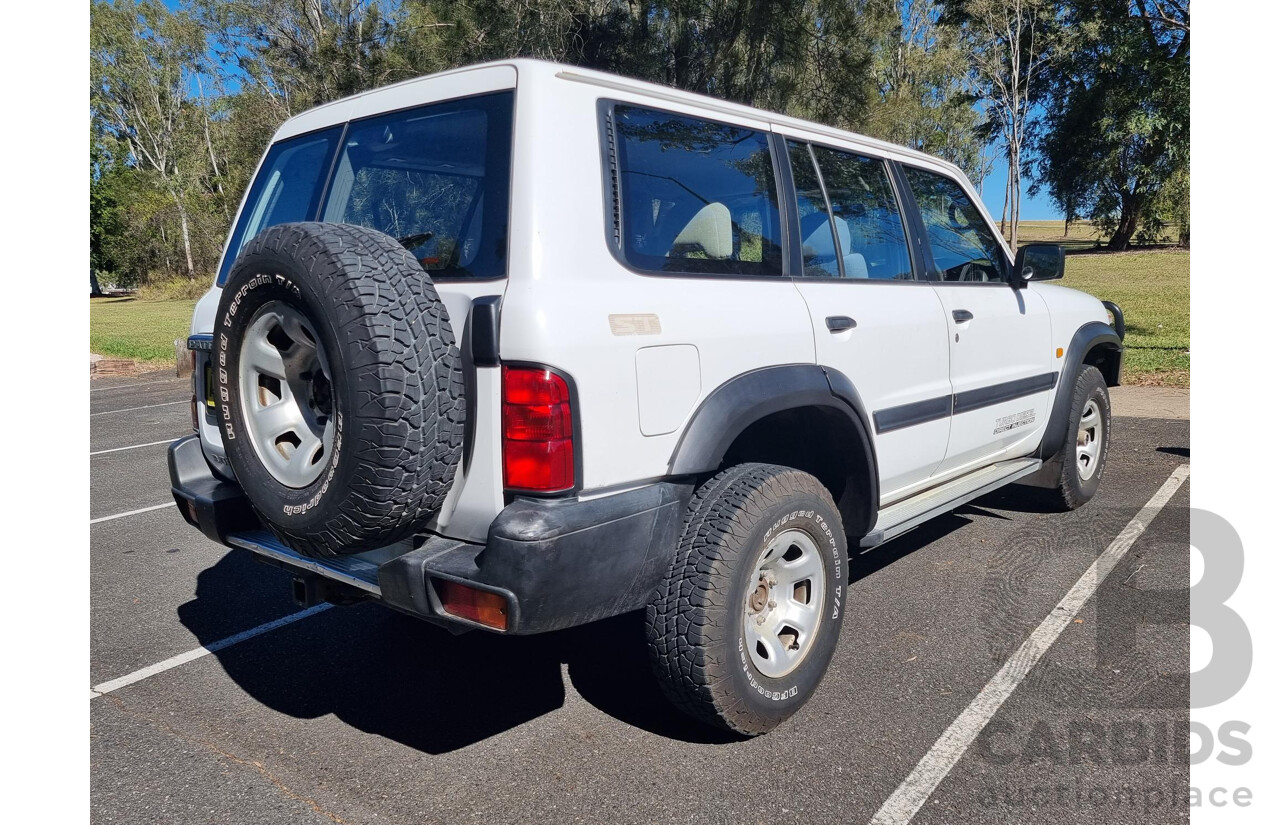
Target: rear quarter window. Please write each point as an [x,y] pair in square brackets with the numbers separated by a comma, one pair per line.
[694,196]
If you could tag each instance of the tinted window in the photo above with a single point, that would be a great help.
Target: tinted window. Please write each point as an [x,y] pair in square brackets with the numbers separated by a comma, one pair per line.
[286,189]
[436,178]
[872,241]
[695,196]
[818,246]
[964,247]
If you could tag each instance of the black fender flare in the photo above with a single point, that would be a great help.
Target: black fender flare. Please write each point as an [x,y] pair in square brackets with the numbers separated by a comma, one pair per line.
[1090,336]
[747,398]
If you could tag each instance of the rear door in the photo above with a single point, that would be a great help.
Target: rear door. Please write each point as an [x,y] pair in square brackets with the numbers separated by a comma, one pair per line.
[999,337]
[874,317]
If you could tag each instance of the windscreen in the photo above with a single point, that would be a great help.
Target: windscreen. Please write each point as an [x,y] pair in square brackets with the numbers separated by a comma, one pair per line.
[436,178]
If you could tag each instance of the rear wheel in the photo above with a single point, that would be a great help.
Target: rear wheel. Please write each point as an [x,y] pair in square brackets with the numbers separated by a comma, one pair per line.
[747,618]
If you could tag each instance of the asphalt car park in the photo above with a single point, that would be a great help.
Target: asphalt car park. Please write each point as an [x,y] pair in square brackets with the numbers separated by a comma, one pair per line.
[947,700]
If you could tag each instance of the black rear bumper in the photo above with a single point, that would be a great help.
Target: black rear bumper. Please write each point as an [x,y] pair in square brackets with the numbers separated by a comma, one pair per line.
[557,562]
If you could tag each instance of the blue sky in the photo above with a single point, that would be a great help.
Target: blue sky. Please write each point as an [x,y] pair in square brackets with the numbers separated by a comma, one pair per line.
[1038,208]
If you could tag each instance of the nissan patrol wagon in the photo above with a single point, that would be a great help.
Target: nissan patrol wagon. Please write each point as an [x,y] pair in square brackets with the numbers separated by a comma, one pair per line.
[523,346]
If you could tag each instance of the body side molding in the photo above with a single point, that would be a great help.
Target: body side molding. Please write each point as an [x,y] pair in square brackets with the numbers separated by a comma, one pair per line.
[917,412]
[1007,391]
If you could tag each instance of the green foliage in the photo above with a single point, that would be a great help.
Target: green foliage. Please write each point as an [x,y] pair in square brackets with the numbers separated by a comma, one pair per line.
[162,206]
[173,289]
[1116,145]
[1011,45]
[184,101]
[924,92]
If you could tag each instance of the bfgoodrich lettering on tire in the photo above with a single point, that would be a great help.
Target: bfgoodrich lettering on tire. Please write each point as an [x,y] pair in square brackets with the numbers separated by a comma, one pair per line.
[744,624]
[339,388]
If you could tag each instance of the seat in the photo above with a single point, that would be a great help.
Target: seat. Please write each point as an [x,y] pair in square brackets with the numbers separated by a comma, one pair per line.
[709,231]
[818,245]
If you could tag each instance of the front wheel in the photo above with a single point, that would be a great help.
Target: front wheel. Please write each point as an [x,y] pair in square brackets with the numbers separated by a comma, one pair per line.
[743,626]
[1084,452]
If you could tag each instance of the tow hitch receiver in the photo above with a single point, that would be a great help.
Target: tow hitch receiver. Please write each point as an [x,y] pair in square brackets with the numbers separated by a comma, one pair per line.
[310,590]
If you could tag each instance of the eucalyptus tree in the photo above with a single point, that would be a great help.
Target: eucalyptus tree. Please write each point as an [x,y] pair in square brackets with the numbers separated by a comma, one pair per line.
[924,95]
[144,60]
[1116,144]
[1012,45]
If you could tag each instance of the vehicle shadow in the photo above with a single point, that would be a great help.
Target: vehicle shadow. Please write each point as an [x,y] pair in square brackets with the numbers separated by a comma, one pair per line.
[395,676]
[864,563]
[1019,498]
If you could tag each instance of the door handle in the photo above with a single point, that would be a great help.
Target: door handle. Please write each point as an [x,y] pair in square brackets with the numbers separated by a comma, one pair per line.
[840,323]
[961,315]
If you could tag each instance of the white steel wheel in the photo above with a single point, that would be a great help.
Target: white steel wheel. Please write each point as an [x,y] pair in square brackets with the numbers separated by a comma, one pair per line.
[784,601]
[286,395]
[1089,440]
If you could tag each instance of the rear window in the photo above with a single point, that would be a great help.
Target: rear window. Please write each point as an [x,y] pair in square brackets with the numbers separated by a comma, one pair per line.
[695,196]
[437,178]
[286,189]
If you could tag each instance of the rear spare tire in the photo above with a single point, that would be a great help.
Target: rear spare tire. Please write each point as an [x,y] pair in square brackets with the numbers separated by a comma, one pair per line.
[340,391]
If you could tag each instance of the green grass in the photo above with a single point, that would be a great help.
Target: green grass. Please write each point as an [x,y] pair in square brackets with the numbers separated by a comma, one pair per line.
[1083,235]
[1153,289]
[130,328]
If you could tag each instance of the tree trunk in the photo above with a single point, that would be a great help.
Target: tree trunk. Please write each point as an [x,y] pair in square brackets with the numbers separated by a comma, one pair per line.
[1126,227]
[186,237]
[1015,198]
[1004,211]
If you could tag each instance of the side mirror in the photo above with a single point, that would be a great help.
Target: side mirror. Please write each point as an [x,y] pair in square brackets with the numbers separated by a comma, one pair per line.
[1038,262]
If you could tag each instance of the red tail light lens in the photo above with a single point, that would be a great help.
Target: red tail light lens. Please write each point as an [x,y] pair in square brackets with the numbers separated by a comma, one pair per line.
[537,431]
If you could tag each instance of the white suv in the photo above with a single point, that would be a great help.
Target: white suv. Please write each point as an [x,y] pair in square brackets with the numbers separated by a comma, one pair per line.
[523,346]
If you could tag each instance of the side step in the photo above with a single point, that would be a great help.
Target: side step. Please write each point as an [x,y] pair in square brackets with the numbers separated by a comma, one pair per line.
[907,514]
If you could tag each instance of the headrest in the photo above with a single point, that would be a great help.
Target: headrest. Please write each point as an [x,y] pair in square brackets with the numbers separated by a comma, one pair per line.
[711,230]
[818,243]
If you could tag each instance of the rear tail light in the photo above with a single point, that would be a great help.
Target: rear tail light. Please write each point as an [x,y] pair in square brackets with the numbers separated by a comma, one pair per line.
[480,606]
[537,431]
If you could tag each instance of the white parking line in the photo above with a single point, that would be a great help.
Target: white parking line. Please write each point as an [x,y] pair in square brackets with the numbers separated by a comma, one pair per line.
[144,407]
[199,652]
[920,784]
[100,519]
[135,446]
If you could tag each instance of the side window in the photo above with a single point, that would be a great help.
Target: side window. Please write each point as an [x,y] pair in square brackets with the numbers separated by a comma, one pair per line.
[286,189]
[964,247]
[695,196]
[818,247]
[868,222]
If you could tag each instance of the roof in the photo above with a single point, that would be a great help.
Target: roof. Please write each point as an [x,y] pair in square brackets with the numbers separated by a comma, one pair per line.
[369,102]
